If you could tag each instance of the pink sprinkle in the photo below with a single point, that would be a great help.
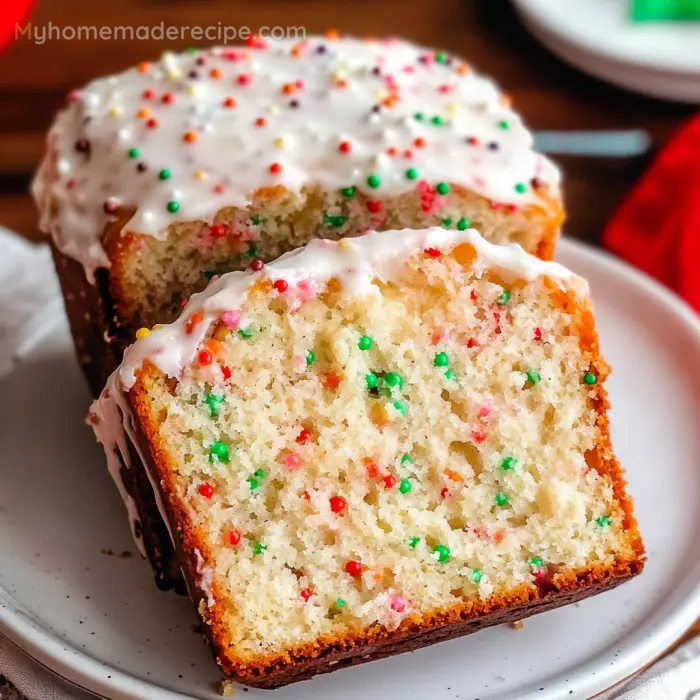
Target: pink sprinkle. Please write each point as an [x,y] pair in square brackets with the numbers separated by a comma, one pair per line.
[299,363]
[305,292]
[440,335]
[398,603]
[292,460]
[231,319]
[485,409]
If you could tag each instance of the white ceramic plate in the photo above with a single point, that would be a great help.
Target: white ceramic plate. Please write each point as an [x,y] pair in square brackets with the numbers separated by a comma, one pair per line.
[100,621]
[657,58]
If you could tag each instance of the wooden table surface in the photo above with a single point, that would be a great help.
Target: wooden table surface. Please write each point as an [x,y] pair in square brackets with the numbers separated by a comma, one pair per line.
[35,78]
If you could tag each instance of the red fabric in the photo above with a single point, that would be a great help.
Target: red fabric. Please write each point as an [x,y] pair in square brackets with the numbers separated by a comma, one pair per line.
[657,228]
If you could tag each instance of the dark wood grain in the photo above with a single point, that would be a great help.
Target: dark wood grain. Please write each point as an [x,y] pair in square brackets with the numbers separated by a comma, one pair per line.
[34,80]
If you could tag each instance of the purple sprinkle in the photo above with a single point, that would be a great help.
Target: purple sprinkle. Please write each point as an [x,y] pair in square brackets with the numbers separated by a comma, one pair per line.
[321,49]
[376,70]
[493,146]
[376,109]
[82,146]
[141,167]
[201,61]
[294,104]
[193,74]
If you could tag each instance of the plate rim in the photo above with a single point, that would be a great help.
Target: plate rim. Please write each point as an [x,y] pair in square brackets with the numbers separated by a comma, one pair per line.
[85,671]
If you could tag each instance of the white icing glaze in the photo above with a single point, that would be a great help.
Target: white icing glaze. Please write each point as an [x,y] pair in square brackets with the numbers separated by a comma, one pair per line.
[205,579]
[355,261]
[88,158]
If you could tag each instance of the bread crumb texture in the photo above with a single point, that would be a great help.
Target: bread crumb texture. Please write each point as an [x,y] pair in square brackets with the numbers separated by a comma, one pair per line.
[366,460]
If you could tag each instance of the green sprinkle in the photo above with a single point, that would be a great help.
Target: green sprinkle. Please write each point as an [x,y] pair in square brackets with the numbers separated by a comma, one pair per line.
[533,376]
[259,548]
[365,343]
[164,174]
[253,483]
[450,375]
[441,360]
[374,181]
[501,500]
[463,224]
[590,378]
[437,120]
[336,221]
[260,473]
[255,220]
[348,192]
[401,407]
[394,379]
[406,458]
[218,452]
[252,251]
[443,554]
[442,188]
[442,57]
[447,222]
[340,603]
[214,402]
[245,333]
[504,125]
[411,174]
[536,562]
[504,298]
[405,486]
[310,357]
[173,207]
[192,51]
[371,380]
[604,521]
[134,153]
[521,188]
[413,542]
[477,575]
[508,463]
[419,116]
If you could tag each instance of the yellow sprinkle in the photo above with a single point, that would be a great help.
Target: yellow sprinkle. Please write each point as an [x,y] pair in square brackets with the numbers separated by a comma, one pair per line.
[339,75]
[451,108]
[344,244]
[174,73]
[222,333]
[273,109]
[381,93]
[142,333]
[201,175]
[280,142]
[157,327]
[115,111]
[191,89]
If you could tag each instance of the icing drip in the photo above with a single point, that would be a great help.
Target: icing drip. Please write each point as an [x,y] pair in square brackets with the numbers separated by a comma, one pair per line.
[181,138]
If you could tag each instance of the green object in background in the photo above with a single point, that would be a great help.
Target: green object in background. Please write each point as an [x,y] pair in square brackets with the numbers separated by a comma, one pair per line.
[657,10]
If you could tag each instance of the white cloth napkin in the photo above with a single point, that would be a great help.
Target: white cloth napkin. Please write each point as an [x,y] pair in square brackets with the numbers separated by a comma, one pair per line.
[28,283]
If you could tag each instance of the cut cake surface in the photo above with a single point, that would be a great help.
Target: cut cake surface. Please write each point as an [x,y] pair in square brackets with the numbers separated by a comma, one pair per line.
[374,444]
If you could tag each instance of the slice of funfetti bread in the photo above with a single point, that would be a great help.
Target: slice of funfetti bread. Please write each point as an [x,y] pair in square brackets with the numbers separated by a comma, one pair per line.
[374,444]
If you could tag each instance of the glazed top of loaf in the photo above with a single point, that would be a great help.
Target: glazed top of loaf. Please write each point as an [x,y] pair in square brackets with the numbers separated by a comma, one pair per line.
[356,262]
[183,137]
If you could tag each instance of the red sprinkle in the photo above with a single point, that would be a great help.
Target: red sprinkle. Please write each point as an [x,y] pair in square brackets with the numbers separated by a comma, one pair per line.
[374,207]
[281,286]
[152,123]
[226,372]
[538,334]
[479,436]
[389,481]
[344,147]
[148,94]
[444,493]
[275,168]
[261,121]
[245,79]
[419,142]
[205,357]
[256,264]
[303,436]
[306,593]
[354,568]
[234,537]
[168,98]
[471,343]
[372,468]
[219,230]
[206,490]
[331,380]
[338,504]
[432,252]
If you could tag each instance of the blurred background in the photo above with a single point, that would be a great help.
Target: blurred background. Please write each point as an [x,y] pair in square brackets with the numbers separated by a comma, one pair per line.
[34,79]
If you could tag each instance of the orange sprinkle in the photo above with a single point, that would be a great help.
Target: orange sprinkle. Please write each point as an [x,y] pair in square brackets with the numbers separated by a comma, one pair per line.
[215,73]
[453,475]
[261,121]
[331,380]
[230,102]
[332,34]
[463,69]
[296,51]
[342,83]
[144,67]
[391,151]
[143,113]
[506,100]
[192,321]
[419,142]
[190,136]
[213,345]
[288,88]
